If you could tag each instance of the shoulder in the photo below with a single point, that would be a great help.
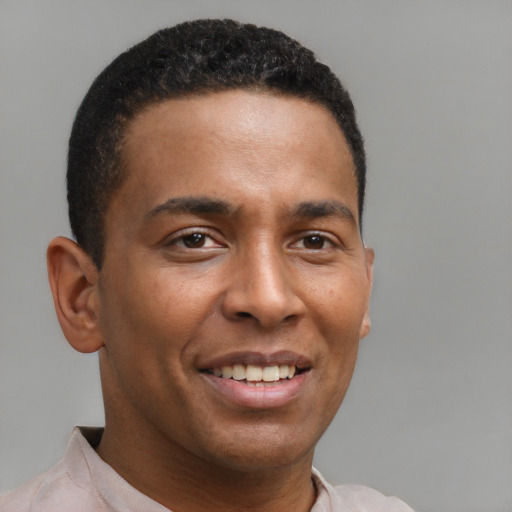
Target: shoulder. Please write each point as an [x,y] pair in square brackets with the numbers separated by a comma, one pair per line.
[365,499]
[353,498]
[67,487]
[53,491]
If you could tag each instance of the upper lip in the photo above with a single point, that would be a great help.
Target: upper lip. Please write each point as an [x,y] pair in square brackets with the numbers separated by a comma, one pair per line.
[281,357]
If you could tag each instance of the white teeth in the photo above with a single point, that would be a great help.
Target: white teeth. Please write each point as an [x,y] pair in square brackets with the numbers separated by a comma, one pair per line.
[255,374]
[227,372]
[283,371]
[270,373]
[238,372]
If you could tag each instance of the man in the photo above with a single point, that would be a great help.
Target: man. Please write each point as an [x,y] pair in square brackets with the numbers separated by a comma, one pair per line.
[216,181]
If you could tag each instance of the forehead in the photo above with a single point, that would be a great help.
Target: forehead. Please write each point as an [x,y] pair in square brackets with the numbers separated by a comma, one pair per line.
[263,142]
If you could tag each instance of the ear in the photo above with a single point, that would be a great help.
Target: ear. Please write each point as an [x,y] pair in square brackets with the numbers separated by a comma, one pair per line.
[74,283]
[366,323]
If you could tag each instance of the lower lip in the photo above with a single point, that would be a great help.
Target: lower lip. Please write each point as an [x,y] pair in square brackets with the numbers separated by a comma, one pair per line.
[258,397]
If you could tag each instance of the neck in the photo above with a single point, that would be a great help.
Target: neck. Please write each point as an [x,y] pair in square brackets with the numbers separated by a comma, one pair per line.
[184,482]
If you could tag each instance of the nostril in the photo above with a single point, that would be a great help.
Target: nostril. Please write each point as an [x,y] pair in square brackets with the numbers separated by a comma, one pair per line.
[244,314]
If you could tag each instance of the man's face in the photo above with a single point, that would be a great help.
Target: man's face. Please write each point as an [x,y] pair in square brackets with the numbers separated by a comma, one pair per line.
[233,246]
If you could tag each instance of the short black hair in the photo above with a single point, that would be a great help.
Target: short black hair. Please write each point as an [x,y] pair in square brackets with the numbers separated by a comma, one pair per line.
[194,57]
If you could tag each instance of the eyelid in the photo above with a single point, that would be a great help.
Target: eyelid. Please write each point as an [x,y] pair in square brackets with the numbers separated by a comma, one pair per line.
[331,239]
[177,236]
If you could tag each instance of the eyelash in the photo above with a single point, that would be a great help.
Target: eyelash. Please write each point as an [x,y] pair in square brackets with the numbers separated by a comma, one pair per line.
[203,237]
[180,240]
[321,237]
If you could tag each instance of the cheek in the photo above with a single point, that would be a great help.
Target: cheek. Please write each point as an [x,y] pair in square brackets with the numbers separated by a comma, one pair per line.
[147,329]
[177,303]
[339,307]
[339,313]
[155,314]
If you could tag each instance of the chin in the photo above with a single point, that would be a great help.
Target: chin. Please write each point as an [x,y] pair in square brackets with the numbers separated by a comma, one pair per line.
[259,451]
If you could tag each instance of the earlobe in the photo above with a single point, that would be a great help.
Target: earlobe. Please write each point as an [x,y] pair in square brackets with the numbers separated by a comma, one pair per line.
[366,323]
[370,258]
[73,280]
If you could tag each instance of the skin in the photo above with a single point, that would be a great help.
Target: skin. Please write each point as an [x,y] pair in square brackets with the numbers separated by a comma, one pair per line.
[236,230]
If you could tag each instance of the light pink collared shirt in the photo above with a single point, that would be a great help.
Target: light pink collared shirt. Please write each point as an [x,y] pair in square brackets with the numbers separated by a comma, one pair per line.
[83,482]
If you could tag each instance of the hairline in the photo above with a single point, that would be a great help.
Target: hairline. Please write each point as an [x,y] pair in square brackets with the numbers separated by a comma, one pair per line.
[161,68]
[123,126]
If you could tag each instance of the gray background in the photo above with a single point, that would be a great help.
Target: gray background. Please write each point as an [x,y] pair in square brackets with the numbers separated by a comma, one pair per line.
[429,413]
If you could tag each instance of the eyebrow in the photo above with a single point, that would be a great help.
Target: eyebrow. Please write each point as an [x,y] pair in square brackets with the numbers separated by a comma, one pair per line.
[207,205]
[195,205]
[315,209]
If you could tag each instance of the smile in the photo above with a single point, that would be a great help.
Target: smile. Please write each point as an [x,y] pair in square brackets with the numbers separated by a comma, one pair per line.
[257,387]
[255,375]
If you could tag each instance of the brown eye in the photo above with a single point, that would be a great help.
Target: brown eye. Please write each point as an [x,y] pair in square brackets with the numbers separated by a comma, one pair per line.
[194,240]
[314,242]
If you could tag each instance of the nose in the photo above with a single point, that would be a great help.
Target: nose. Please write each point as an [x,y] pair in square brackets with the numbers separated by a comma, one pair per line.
[262,287]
